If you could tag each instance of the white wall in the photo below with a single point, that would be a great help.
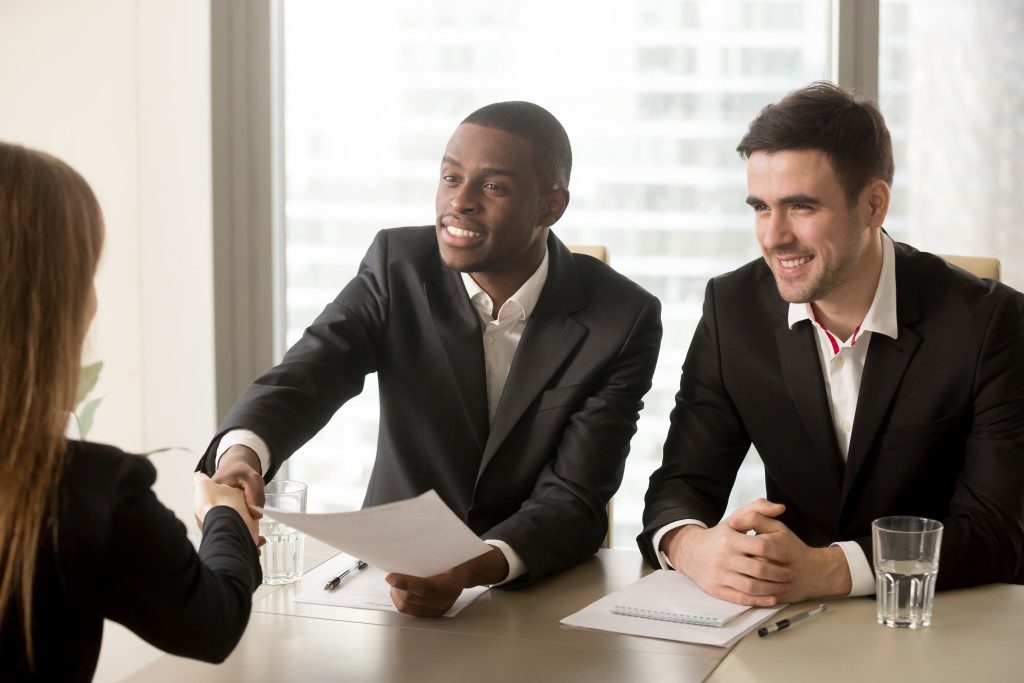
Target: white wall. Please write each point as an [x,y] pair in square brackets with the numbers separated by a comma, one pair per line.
[69,86]
[120,90]
[176,239]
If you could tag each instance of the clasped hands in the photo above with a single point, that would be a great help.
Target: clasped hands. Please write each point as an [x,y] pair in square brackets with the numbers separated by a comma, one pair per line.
[762,569]
[236,484]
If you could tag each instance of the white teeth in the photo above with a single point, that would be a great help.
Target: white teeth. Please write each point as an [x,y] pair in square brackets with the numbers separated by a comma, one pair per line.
[793,263]
[458,232]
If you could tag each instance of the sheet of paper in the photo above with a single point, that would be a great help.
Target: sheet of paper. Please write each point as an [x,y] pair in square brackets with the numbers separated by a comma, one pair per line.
[418,537]
[365,589]
[598,615]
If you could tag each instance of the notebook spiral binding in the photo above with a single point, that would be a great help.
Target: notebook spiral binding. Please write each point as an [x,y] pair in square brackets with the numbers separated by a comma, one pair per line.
[665,616]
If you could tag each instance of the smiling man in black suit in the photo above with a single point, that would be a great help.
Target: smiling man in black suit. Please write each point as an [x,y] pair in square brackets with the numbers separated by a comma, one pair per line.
[872,378]
[511,371]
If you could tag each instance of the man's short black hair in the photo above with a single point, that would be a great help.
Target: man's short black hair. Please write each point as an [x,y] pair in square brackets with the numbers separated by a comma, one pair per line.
[848,129]
[551,151]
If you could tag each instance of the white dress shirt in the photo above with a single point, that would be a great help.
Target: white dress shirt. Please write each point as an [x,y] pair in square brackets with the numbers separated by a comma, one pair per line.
[842,365]
[501,337]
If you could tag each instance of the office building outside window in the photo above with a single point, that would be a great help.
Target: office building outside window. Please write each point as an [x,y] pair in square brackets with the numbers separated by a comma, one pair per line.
[654,95]
[951,86]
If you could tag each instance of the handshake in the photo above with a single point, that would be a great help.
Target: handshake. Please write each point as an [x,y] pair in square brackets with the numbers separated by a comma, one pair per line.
[237,484]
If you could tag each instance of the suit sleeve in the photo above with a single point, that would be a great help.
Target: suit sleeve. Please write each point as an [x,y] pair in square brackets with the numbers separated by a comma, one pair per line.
[290,403]
[983,535]
[564,520]
[156,584]
[706,442]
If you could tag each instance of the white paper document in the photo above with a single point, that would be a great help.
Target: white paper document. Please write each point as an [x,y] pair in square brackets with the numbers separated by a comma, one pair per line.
[418,537]
[671,592]
[365,589]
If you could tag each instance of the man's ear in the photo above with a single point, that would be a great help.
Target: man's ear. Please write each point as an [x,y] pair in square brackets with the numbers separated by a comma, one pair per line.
[553,205]
[877,195]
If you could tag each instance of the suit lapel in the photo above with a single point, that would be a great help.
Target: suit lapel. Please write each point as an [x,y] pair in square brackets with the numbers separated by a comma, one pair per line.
[801,369]
[550,336]
[884,368]
[458,327]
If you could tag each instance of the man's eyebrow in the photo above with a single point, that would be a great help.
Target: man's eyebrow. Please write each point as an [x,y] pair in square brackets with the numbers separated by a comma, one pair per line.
[792,199]
[487,170]
[801,199]
[491,170]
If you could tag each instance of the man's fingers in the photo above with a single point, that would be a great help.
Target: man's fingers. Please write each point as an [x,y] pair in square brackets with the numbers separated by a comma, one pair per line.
[754,587]
[252,485]
[760,569]
[751,520]
[763,546]
[741,598]
[763,507]
[410,584]
[408,604]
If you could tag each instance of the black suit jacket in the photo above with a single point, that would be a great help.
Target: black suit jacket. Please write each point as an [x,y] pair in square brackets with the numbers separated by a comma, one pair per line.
[938,430]
[540,476]
[121,555]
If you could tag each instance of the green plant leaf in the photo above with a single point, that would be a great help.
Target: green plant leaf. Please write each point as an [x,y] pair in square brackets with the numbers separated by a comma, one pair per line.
[86,415]
[88,375]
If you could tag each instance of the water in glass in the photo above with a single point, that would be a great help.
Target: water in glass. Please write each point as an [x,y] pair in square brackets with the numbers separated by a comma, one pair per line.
[281,557]
[905,592]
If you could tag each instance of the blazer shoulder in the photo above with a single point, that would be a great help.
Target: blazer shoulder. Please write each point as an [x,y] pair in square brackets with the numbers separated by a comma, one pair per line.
[749,274]
[950,287]
[412,243]
[602,282]
[749,288]
[107,470]
[97,480]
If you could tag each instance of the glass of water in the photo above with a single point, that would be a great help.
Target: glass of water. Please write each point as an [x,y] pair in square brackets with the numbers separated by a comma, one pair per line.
[281,556]
[906,551]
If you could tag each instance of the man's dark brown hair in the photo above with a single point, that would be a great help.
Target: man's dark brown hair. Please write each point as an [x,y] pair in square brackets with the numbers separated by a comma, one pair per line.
[848,129]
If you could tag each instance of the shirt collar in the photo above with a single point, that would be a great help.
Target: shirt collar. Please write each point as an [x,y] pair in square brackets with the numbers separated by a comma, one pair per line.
[521,304]
[881,316]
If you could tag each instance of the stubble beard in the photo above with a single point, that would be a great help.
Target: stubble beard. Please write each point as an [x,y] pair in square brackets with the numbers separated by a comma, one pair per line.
[832,277]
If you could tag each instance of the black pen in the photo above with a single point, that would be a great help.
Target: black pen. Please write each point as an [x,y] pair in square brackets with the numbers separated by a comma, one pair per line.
[336,581]
[786,623]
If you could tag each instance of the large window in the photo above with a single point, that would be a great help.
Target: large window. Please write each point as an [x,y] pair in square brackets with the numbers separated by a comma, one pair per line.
[951,85]
[654,95]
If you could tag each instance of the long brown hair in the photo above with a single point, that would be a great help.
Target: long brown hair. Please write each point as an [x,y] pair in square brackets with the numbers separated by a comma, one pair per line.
[51,233]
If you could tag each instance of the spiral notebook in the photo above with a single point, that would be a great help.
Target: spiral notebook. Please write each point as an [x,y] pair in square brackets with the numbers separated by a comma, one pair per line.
[669,596]
[691,612]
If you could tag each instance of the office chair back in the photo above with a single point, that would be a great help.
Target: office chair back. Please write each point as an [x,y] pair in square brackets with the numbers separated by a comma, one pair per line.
[982,266]
[599,252]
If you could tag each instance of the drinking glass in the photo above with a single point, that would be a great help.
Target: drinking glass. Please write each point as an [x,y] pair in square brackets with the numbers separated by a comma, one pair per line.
[906,551]
[281,556]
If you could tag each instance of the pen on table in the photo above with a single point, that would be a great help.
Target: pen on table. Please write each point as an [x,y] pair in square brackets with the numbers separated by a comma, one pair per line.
[786,623]
[354,567]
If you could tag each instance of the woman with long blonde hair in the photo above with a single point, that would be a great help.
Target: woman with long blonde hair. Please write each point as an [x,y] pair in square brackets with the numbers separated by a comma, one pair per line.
[82,536]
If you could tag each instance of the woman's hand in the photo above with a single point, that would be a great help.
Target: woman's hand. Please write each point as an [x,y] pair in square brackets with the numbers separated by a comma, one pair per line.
[208,495]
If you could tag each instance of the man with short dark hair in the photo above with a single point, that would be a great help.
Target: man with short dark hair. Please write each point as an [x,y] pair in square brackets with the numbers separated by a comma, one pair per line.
[511,371]
[872,378]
